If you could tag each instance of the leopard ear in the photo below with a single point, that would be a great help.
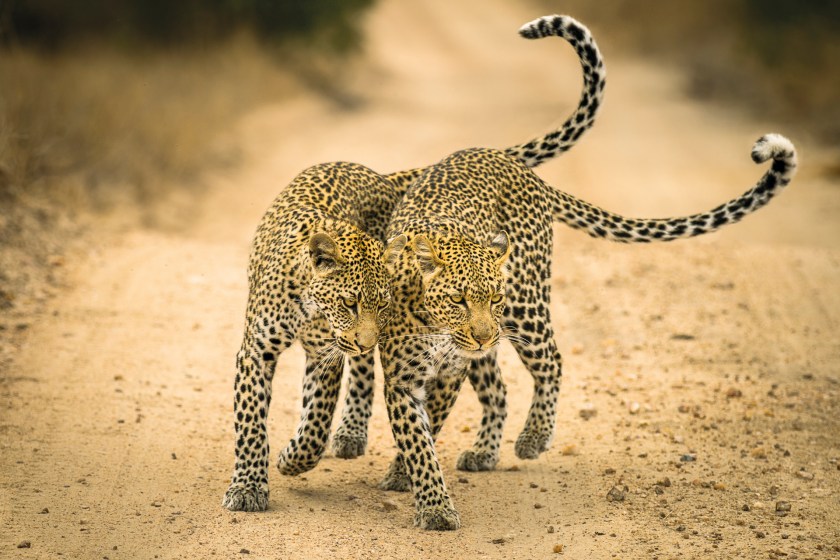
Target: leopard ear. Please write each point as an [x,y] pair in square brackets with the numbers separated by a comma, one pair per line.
[324,254]
[501,246]
[427,258]
[393,251]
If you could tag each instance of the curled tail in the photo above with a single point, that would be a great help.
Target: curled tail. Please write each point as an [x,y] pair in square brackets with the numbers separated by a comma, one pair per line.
[601,223]
[558,141]
[553,143]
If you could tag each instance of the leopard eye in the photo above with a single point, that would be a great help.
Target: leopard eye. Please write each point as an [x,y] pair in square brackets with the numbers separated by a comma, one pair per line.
[498,298]
[457,299]
[349,302]
[384,304]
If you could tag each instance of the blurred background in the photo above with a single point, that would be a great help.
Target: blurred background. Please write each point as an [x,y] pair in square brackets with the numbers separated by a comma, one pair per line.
[120,104]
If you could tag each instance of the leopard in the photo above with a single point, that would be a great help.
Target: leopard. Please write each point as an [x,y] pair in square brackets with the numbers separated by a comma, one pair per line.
[350,438]
[315,277]
[475,270]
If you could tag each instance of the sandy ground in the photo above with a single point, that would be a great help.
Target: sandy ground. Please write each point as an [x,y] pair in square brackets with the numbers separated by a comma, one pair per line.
[115,417]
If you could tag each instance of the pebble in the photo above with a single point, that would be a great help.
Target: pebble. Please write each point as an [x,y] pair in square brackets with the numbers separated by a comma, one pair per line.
[666,482]
[533,485]
[734,393]
[805,475]
[558,548]
[617,493]
[634,407]
[538,506]
[390,505]
[688,458]
[550,529]
[782,508]
[45,510]
[25,544]
[463,480]
[759,534]
[244,551]
[570,449]
[588,411]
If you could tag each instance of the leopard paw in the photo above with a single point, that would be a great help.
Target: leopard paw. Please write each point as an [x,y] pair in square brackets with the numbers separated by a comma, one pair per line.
[395,482]
[292,464]
[473,461]
[245,497]
[530,444]
[438,518]
[346,445]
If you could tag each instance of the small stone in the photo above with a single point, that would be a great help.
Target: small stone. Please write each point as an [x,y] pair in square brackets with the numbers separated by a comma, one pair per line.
[588,411]
[244,551]
[558,548]
[734,393]
[45,510]
[174,457]
[463,480]
[617,493]
[688,458]
[719,486]
[805,475]
[351,497]
[25,544]
[533,485]
[666,482]
[609,470]
[390,505]
[465,429]
[678,439]
[538,506]
[782,508]
[745,507]
[550,529]
[758,453]
[156,504]
[570,449]
[634,407]
[500,540]
[118,377]
[759,534]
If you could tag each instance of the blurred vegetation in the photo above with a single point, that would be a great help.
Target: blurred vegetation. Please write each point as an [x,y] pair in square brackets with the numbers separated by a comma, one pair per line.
[776,57]
[115,109]
[56,23]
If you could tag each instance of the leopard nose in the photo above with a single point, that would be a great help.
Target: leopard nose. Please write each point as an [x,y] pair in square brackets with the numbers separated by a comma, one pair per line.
[482,337]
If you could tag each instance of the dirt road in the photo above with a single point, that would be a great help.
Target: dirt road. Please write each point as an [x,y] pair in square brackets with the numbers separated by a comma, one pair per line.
[707,369]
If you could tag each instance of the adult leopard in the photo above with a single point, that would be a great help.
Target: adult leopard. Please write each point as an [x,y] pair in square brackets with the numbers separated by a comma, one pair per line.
[350,438]
[478,264]
[315,275]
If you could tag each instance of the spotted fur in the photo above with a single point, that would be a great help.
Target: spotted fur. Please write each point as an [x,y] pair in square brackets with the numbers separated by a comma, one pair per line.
[350,439]
[315,274]
[461,284]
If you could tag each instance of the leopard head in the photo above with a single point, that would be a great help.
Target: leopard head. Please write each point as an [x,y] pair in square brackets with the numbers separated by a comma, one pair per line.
[350,286]
[464,287]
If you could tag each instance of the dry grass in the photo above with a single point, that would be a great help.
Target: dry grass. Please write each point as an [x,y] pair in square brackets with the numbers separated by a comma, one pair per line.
[133,120]
[93,132]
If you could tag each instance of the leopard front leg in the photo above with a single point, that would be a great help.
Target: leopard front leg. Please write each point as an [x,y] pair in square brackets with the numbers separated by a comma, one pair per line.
[350,439]
[486,379]
[441,393]
[410,425]
[538,351]
[255,364]
[321,385]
